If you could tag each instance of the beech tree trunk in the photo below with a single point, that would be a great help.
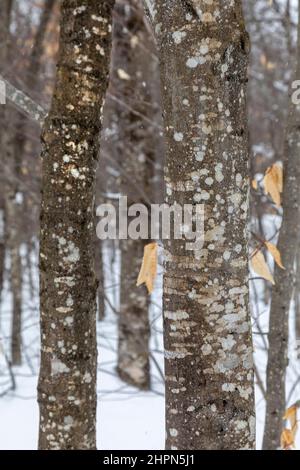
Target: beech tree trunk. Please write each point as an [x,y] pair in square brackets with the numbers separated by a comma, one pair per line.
[282,292]
[203,51]
[67,382]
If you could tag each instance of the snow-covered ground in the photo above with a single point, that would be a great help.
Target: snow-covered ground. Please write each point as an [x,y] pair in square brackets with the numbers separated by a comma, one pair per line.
[127,418]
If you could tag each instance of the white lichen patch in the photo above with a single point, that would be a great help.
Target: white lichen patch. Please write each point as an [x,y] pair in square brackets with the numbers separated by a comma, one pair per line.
[87,378]
[206,349]
[73,253]
[177,315]
[178,136]
[58,367]
[79,10]
[178,36]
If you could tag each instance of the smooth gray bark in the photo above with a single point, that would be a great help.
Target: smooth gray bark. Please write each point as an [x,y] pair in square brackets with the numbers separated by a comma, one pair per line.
[203,51]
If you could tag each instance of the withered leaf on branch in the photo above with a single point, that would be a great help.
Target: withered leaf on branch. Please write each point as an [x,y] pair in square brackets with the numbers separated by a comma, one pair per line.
[287,439]
[148,271]
[273,183]
[288,436]
[260,266]
[275,253]
[254,184]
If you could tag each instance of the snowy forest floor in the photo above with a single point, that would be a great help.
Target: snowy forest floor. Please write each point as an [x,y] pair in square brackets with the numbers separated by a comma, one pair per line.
[126,417]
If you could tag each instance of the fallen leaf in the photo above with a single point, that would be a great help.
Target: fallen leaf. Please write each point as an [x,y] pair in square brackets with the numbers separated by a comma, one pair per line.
[275,253]
[260,266]
[273,183]
[148,272]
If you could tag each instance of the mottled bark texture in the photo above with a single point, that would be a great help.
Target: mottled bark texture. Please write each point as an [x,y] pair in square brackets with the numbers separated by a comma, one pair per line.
[67,382]
[282,292]
[135,66]
[203,50]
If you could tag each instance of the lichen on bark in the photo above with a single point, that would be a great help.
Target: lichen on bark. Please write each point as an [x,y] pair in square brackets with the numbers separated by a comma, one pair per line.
[203,50]
[67,381]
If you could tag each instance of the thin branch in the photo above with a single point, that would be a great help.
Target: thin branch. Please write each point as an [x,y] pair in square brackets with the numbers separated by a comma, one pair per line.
[25,104]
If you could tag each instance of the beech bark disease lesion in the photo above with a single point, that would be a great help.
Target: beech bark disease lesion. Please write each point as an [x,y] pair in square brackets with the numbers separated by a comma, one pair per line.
[203,51]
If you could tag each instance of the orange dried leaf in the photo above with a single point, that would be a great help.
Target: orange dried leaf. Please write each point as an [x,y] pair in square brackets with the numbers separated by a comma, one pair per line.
[260,266]
[287,439]
[275,253]
[148,272]
[291,416]
[273,182]
[254,185]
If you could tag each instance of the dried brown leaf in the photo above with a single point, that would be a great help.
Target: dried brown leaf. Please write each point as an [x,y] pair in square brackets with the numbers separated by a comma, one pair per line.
[273,183]
[148,272]
[275,253]
[287,440]
[260,266]
[254,184]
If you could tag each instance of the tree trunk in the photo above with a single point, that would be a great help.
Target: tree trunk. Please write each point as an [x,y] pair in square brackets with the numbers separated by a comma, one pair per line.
[9,196]
[297,303]
[99,267]
[67,382]
[2,251]
[203,51]
[13,245]
[135,57]
[282,293]
[5,11]
[14,162]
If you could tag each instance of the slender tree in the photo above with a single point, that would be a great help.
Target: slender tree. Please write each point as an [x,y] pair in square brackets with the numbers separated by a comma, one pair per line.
[67,381]
[17,139]
[5,10]
[203,50]
[282,293]
[5,18]
[135,68]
